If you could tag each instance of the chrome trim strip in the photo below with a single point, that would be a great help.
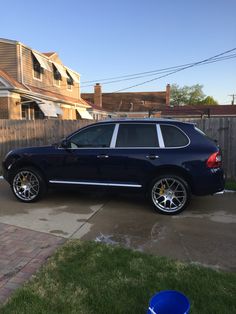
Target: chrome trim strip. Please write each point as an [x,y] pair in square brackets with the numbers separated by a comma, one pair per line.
[159,136]
[178,147]
[114,136]
[95,183]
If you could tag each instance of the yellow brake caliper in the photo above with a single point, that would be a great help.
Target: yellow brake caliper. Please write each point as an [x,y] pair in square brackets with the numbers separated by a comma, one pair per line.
[162,189]
[23,180]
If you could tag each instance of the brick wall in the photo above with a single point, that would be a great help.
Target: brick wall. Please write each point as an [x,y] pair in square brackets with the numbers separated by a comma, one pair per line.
[10,107]
[4,108]
[14,108]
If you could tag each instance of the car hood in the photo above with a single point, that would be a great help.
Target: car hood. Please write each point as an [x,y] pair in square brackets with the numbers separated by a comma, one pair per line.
[31,150]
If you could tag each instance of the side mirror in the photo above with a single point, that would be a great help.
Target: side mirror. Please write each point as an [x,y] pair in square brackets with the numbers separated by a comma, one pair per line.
[65,144]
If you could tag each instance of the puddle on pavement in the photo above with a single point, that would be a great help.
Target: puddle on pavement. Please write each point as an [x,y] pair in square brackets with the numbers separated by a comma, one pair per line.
[59,232]
[136,242]
[218,216]
[158,232]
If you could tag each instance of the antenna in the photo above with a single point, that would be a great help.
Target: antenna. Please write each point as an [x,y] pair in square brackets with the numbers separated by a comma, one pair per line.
[233,98]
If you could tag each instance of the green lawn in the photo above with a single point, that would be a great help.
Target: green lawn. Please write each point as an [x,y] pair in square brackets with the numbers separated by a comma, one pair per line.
[87,277]
[230,185]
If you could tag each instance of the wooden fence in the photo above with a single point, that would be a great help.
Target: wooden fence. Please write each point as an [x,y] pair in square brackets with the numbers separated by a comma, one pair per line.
[224,131]
[21,133]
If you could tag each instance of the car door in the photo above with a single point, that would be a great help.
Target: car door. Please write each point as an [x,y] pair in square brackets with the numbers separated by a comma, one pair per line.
[80,162]
[134,155]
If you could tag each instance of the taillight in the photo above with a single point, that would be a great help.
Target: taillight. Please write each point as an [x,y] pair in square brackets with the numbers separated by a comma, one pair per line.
[214,161]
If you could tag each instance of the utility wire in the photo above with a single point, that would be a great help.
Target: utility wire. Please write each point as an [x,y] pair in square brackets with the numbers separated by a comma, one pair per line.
[175,71]
[153,73]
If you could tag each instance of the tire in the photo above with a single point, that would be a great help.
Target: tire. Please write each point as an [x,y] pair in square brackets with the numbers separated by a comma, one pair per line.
[28,185]
[169,194]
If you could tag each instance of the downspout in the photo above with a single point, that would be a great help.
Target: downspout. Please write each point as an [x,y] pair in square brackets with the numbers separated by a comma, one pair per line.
[21,70]
[21,76]
[8,107]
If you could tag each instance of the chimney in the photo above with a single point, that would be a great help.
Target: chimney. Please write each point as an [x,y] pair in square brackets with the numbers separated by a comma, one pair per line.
[98,95]
[168,95]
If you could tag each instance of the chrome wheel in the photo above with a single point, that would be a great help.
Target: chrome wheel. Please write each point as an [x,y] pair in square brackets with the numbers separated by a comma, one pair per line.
[26,185]
[169,195]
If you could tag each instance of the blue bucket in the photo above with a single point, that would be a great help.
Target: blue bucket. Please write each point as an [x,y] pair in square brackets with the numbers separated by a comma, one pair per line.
[169,302]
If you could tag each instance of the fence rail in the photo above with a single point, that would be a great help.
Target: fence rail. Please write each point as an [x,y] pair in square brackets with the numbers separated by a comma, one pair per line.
[21,133]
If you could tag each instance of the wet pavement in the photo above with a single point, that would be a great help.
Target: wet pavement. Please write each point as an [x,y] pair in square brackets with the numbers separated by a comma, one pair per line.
[203,234]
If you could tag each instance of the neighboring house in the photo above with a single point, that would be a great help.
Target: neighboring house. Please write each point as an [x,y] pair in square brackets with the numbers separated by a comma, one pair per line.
[36,85]
[153,104]
[98,113]
[132,104]
[199,111]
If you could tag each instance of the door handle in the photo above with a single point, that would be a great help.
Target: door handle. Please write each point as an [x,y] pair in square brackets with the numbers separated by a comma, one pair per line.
[102,156]
[152,157]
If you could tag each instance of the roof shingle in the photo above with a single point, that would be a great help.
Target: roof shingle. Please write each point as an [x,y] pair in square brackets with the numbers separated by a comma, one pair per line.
[11,80]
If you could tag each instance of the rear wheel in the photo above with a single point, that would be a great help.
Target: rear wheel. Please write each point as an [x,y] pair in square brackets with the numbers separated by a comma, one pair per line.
[169,194]
[28,185]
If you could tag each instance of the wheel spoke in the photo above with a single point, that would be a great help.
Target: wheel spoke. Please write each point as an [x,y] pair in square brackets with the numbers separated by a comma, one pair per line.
[176,199]
[176,189]
[167,184]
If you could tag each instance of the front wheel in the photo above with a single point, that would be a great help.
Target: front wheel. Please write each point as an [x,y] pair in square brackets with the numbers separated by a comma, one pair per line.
[28,185]
[170,194]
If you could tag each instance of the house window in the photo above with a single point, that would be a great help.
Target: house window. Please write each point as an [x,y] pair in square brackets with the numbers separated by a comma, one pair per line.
[56,76]
[31,111]
[37,69]
[69,80]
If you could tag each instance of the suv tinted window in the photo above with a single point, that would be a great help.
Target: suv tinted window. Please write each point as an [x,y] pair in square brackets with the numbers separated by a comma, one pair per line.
[137,135]
[173,137]
[95,136]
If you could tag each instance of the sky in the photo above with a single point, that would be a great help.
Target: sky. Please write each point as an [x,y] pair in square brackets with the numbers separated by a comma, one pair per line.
[109,38]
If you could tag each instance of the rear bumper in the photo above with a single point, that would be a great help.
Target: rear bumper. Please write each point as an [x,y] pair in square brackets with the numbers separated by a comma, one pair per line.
[209,183]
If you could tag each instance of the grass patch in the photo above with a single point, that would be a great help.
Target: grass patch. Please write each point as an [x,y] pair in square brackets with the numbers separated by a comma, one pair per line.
[87,277]
[230,185]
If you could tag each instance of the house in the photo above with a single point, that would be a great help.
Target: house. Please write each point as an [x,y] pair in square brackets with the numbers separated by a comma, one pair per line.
[36,85]
[199,111]
[99,113]
[131,104]
[153,104]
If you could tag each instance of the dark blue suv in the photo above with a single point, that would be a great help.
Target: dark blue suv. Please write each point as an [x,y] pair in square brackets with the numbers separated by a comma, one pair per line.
[167,160]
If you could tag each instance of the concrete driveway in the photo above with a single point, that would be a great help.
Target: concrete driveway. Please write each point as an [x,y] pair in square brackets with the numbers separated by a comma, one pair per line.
[203,234]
